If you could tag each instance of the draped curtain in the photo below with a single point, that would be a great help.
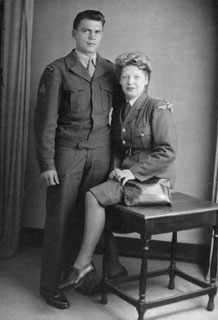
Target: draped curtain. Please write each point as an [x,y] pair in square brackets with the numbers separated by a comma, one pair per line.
[14,117]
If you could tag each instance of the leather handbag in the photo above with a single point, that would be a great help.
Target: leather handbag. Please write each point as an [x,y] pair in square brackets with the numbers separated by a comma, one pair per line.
[151,192]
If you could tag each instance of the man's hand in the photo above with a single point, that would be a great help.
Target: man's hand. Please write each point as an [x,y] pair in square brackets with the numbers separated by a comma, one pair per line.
[50,177]
[121,175]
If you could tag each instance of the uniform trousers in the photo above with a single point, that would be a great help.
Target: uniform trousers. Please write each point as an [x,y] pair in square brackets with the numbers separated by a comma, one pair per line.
[78,171]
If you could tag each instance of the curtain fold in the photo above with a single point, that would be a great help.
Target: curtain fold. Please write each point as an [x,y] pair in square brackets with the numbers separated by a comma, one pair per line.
[14,118]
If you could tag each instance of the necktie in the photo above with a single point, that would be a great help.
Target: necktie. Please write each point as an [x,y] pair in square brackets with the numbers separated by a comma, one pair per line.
[126,110]
[91,67]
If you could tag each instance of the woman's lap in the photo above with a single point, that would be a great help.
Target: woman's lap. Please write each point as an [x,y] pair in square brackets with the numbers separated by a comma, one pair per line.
[108,193]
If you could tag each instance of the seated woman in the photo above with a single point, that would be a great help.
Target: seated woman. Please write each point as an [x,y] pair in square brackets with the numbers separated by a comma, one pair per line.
[144,146]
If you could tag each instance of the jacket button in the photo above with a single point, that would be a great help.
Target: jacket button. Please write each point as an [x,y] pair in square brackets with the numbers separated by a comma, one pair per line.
[123,142]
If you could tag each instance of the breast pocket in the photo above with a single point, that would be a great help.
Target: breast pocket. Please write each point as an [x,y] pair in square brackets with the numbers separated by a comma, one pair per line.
[141,137]
[106,96]
[77,97]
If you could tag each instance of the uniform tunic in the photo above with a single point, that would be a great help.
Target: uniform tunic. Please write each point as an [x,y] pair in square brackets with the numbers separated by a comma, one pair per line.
[73,108]
[72,135]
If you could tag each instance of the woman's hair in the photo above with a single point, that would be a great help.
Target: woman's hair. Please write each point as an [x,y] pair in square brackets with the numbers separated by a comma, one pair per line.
[89,15]
[137,59]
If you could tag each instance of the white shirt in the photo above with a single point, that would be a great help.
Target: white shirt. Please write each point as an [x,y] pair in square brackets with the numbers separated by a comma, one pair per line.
[84,59]
[132,101]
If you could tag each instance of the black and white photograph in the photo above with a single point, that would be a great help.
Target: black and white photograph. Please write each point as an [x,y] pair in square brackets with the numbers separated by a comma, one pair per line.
[108,159]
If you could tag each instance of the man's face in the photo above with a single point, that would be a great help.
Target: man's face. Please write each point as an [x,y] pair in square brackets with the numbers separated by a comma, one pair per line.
[88,36]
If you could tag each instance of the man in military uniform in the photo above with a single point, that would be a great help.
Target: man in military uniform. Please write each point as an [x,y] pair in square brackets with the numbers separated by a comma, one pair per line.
[76,94]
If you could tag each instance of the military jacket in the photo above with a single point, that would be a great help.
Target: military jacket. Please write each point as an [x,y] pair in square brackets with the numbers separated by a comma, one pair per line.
[146,141]
[72,108]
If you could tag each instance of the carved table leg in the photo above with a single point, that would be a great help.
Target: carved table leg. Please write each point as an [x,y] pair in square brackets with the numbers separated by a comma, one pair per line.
[172,266]
[213,271]
[143,276]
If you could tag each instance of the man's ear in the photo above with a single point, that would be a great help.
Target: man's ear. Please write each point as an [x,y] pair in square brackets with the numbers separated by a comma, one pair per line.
[73,33]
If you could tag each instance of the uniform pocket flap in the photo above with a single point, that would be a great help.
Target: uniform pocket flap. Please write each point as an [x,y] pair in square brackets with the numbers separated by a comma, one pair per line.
[106,86]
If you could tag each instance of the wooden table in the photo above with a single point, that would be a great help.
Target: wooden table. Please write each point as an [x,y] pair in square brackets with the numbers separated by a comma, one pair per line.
[186,212]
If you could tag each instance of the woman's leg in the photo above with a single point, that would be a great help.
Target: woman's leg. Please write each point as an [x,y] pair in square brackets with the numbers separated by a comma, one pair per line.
[94,226]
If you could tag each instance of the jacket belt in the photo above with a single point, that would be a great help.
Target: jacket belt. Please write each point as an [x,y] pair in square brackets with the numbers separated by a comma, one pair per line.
[130,151]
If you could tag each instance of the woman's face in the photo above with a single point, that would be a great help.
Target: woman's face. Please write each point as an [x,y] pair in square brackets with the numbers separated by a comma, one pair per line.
[133,81]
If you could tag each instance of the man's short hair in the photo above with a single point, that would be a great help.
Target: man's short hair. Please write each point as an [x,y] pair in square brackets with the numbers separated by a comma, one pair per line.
[90,15]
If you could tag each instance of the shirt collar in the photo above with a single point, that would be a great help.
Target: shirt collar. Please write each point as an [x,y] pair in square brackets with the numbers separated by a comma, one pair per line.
[132,101]
[84,59]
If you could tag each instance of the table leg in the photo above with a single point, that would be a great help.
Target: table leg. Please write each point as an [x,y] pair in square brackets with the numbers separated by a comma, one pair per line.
[213,271]
[172,266]
[145,239]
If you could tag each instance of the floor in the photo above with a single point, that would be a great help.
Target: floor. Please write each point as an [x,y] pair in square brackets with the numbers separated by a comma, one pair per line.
[20,299]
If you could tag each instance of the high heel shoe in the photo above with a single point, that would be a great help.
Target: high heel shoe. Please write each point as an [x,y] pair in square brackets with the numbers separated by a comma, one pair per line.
[77,276]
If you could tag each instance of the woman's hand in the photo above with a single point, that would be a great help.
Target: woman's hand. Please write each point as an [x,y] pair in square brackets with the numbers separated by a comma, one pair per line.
[121,175]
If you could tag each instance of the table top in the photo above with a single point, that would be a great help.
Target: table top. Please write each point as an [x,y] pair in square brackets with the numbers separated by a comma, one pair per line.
[182,205]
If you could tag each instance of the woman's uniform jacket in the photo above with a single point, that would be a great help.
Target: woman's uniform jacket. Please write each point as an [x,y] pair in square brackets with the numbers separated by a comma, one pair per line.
[145,142]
